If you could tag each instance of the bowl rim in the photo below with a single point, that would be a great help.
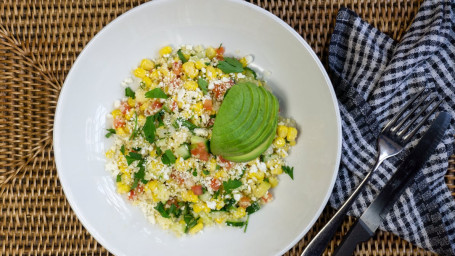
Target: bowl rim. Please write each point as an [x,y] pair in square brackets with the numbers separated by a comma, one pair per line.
[58,115]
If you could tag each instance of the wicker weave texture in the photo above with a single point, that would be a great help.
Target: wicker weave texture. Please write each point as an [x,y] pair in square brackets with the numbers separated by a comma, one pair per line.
[40,40]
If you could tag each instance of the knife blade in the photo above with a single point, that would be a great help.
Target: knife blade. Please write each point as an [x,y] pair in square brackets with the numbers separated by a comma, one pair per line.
[368,223]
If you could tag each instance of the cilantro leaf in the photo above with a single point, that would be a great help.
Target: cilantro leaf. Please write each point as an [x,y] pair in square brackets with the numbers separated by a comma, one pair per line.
[205,172]
[119,177]
[135,128]
[168,157]
[149,129]
[231,185]
[156,93]
[289,171]
[110,133]
[160,208]
[230,65]
[130,93]
[181,56]
[122,149]
[132,156]
[203,84]
[235,223]
[254,207]
[190,221]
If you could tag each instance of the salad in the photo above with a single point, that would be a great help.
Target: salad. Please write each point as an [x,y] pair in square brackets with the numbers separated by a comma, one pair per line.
[197,139]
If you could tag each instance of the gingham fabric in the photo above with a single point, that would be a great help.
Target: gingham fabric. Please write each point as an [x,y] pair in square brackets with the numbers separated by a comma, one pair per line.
[373,77]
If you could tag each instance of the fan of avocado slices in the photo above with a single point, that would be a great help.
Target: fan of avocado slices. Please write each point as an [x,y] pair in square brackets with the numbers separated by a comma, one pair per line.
[245,124]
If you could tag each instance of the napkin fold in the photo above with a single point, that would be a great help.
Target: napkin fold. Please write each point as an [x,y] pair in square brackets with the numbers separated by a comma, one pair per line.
[373,77]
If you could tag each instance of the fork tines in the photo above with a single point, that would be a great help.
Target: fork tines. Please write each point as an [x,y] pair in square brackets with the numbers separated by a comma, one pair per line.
[412,115]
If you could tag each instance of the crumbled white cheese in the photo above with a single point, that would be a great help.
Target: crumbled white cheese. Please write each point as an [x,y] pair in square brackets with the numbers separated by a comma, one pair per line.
[211,205]
[237,197]
[200,132]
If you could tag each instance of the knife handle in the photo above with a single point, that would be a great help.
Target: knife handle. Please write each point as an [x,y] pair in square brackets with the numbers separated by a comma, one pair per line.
[357,234]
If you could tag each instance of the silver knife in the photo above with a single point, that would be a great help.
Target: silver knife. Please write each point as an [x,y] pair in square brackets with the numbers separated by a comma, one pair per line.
[368,223]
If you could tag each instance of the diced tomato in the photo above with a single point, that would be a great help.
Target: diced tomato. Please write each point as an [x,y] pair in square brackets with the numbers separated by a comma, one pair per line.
[125,107]
[134,192]
[119,122]
[153,108]
[220,89]
[175,83]
[177,67]
[227,164]
[267,198]
[177,177]
[208,104]
[174,106]
[197,189]
[220,53]
[172,201]
[215,184]
[210,122]
[201,151]
[244,202]
[157,105]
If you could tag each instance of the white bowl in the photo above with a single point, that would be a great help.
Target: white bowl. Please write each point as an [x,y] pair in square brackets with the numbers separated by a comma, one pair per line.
[296,77]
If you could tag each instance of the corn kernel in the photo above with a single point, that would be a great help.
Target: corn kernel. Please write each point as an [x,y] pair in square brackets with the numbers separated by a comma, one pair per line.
[279,142]
[221,174]
[140,72]
[109,154]
[219,204]
[189,196]
[190,69]
[163,71]
[147,81]
[201,206]
[200,64]
[122,188]
[121,131]
[292,134]
[152,153]
[277,170]
[259,175]
[165,50]
[197,108]
[292,142]
[273,181]
[151,185]
[180,165]
[190,85]
[262,189]
[147,64]
[199,226]
[220,220]
[211,166]
[243,61]
[282,131]
[129,115]
[116,113]
[131,102]
[240,212]
[155,75]
[211,72]
[210,52]
[141,119]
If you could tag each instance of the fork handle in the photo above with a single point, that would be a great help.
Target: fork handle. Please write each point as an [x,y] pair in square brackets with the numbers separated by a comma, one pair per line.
[320,241]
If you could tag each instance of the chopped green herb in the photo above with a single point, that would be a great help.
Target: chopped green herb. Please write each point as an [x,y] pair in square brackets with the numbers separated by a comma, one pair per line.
[156,93]
[289,170]
[166,108]
[246,223]
[181,56]
[110,133]
[205,172]
[207,63]
[137,149]
[184,123]
[194,173]
[231,185]
[190,221]
[235,223]
[217,167]
[254,207]
[135,128]
[160,208]
[230,65]
[122,149]
[168,157]
[159,117]
[203,84]
[149,129]
[216,194]
[119,177]
[159,151]
[142,85]
[132,156]
[130,93]
[266,179]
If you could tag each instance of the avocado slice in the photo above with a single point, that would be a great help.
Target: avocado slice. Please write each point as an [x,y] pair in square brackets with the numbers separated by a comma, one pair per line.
[262,133]
[256,152]
[228,119]
[248,129]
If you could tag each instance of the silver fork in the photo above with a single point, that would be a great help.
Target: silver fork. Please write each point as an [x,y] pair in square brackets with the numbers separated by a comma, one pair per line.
[391,141]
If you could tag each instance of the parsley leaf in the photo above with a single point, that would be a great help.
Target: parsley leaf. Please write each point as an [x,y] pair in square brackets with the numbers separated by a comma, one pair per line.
[205,172]
[203,84]
[159,151]
[119,177]
[110,133]
[156,93]
[230,65]
[130,93]
[135,129]
[168,157]
[122,149]
[132,156]
[160,208]
[289,170]
[231,185]
[190,221]
[181,56]
[235,223]
[149,129]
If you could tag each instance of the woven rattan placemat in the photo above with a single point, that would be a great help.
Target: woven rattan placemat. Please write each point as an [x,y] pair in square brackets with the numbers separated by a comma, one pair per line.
[39,41]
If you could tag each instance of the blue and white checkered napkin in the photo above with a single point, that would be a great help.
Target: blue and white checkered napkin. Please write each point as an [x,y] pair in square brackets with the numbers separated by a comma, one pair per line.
[374,77]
